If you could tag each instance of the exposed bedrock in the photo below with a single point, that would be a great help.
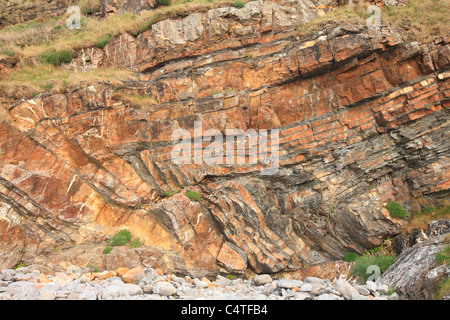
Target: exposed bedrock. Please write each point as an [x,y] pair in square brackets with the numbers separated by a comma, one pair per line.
[363,119]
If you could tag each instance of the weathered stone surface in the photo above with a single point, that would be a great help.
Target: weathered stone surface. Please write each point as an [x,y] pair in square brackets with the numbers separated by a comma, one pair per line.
[363,119]
[415,274]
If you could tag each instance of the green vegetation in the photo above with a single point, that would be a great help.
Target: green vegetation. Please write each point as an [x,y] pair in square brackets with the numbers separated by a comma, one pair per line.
[7,52]
[230,277]
[443,289]
[94,269]
[195,196]
[429,213]
[103,41]
[57,58]
[363,263]
[396,210]
[122,238]
[443,256]
[19,265]
[165,2]
[135,243]
[107,250]
[384,248]
[422,20]
[28,80]
[351,257]
[170,193]
[239,4]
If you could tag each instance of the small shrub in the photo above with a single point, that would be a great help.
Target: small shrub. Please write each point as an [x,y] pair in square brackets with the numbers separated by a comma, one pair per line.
[193,195]
[351,257]
[443,256]
[57,58]
[363,263]
[123,237]
[396,210]
[230,277]
[107,250]
[239,4]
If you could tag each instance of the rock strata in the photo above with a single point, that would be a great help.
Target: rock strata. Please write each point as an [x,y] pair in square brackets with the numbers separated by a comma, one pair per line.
[362,117]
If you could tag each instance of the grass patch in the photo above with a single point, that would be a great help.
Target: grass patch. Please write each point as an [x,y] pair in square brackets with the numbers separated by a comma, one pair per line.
[443,289]
[364,262]
[351,257]
[123,238]
[422,20]
[385,248]
[195,196]
[57,58]
[396,210]
[19,265]
[134,100]
[169,193]
[103,41]
[29,81]
[239,4]
[443,256]
[165,2]
[107,250]
[422,219]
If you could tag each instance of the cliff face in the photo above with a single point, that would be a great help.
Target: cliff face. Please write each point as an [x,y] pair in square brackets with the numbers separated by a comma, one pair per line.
[362,116]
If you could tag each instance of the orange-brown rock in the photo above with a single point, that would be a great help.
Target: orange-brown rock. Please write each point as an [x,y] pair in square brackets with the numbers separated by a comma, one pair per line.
[363,119]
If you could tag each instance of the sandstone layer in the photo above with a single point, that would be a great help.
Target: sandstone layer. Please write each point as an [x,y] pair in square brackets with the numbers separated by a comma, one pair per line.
[363,119]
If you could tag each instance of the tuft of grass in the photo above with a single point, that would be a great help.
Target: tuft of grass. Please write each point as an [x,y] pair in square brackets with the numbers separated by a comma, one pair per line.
[351,257]
[57,58]
[166,3]
[239,4]
[136,243]
[443,256]
[134,100]
[195,196]
[422,219]
[94,269]
[89,7]
[170,193]
[19,265]
[364,262]
[107,250]
[443,289]
[396,210]
[123,238]
[385,248]
[103,41]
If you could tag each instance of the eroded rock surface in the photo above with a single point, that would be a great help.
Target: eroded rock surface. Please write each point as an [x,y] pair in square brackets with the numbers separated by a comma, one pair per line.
[363,119]
[415,273]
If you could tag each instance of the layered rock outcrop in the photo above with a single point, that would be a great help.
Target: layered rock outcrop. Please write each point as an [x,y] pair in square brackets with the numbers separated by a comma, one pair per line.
[362,115]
